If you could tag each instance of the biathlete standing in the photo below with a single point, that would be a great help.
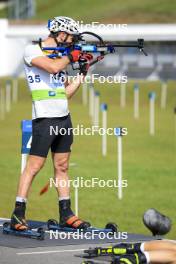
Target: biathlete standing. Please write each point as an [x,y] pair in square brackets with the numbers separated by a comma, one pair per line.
[50,109]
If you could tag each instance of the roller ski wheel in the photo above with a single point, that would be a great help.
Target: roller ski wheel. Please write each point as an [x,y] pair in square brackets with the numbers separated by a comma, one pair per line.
[112,226]
[52,222]
[5,225]
[91,252]
[41,233]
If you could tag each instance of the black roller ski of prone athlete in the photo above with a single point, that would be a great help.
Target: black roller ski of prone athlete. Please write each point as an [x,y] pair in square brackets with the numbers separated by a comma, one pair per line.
[121,259]
[109,261]
[55,226]
[38,233]
[98,262]
[118,249]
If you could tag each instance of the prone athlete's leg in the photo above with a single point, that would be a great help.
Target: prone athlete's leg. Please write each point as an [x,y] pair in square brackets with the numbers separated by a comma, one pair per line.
[152,257]
[159,245]
[162,256]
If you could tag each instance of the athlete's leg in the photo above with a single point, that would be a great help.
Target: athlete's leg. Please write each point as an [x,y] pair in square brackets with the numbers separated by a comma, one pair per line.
[61,164]
[61,148]
[159,245]
[162,256]
[33,166]
[152,257]
[67,217]
[41,142]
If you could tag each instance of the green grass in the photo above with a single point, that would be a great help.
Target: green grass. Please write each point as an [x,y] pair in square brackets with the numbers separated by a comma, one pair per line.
[148,162]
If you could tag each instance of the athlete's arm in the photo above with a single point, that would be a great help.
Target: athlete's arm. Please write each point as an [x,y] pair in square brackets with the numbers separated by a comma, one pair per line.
[50,65]
[55,65]
[72,88]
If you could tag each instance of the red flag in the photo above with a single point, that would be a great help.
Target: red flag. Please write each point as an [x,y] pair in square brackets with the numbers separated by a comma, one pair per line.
[44,189]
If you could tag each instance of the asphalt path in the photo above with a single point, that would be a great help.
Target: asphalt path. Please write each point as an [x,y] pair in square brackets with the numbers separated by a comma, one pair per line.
[20,250]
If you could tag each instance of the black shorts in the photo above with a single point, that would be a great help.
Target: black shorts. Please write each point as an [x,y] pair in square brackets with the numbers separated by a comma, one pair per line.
[55,133]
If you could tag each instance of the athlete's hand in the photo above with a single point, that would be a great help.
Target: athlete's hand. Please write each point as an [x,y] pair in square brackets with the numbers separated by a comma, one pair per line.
[74,55]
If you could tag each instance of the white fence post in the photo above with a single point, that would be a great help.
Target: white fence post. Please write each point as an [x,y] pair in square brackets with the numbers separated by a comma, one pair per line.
[118,133]
[2,104]
[15,90]
[136,101]
[96,108]
[8,96]
[152,97]
[104,108]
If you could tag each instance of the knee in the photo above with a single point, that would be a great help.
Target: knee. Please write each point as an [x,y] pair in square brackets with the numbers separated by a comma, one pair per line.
[61,166]
[35,167]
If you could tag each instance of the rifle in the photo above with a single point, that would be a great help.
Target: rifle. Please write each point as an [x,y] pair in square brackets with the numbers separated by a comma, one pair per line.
[79,43]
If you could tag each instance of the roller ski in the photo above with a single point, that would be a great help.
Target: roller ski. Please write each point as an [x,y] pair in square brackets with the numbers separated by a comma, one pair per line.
[18,225]
[29,233]
[71,223]
[119,249]
[136,258]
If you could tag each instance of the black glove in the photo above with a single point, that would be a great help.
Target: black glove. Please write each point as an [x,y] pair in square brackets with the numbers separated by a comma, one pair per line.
[84,67]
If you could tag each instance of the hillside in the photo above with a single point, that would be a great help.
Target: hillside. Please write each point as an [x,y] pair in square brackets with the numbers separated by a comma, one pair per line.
[116,11]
